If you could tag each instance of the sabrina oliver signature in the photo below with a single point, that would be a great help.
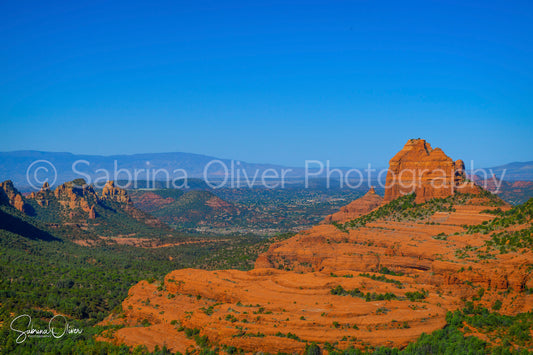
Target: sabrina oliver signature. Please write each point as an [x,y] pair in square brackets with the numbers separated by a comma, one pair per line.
[57,327]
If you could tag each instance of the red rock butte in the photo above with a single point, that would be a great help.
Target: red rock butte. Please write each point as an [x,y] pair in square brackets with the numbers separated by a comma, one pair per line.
[427,172]
[351,282]
[356,208]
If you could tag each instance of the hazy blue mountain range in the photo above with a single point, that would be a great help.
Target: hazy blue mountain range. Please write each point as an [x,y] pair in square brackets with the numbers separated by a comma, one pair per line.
[17,166]
[517,171]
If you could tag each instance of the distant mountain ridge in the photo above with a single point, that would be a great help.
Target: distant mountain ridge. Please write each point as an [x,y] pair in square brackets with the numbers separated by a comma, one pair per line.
[516,171]
[16,164]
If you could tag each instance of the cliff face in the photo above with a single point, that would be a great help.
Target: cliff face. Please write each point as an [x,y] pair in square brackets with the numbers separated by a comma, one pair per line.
[356,208]
[427,172]
[76,194]
[113,193]
[73,196]
[9,195]
[43,196]
[79,200]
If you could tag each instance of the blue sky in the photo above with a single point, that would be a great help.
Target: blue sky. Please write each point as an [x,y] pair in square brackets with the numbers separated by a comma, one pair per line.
[269,81]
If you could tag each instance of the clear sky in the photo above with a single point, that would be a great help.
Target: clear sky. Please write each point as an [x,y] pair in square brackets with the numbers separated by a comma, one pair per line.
[269,81]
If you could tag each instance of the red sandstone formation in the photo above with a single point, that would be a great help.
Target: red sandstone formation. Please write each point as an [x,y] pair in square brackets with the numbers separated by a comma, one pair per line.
[92,213]
[43,196]
[289,291]
[427,172]
[217,203]
[110,192]
[356,208]
[75,194]
[10,195]
[151,202]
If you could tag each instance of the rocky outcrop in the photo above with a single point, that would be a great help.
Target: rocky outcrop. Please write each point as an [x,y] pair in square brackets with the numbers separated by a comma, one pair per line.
[113,193]
[43,196]
[92,213]
[76,194]
[356,208]
[74,199]
[427,172]
[78,201]
[9,195]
